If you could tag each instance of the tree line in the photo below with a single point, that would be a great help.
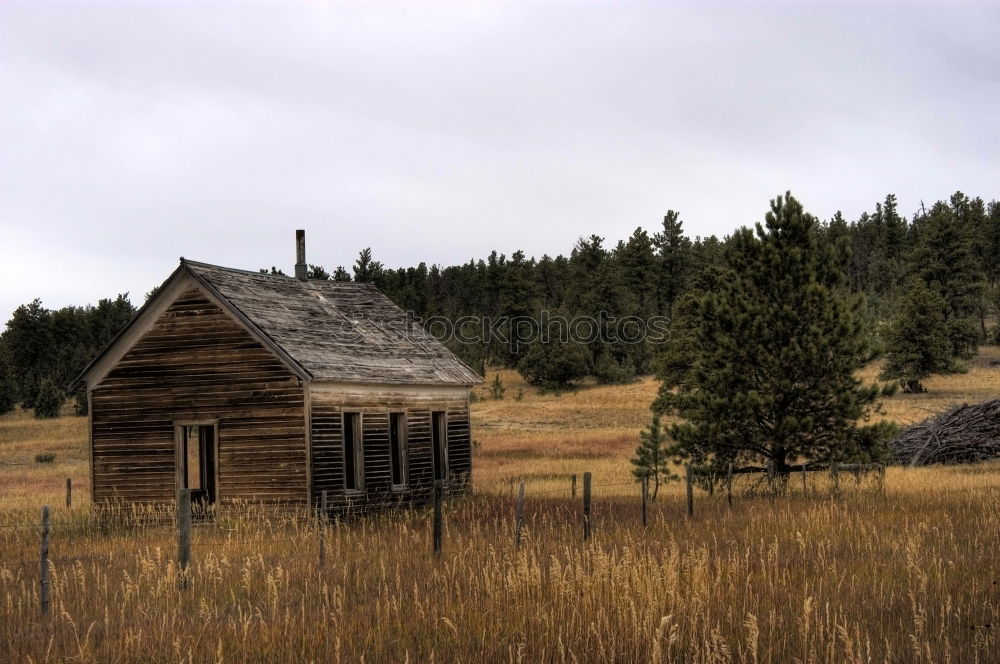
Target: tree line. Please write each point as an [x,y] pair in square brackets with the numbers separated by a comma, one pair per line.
[42,351]
[930,275]
[926,285]
[640,277]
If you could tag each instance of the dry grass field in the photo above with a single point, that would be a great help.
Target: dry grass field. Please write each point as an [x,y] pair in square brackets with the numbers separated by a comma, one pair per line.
[546,437]
[908,576]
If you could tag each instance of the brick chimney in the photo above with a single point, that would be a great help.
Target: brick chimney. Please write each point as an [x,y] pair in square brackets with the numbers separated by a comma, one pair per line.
[301,269]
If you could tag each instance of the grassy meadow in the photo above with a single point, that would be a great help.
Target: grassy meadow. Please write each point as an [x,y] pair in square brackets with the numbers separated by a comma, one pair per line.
[904,576]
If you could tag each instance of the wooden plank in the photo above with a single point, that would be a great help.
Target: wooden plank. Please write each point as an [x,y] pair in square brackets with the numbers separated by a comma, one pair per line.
[182,370]
[376,404]
[307,429]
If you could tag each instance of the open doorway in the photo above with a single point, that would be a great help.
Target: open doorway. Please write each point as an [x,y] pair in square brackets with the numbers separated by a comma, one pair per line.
[197,461]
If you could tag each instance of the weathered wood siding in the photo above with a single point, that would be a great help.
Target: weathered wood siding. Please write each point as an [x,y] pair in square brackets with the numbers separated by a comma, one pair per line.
[197,363]
[375,405]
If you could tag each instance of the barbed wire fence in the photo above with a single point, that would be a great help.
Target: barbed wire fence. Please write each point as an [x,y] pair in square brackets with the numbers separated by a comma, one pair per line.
[316,524]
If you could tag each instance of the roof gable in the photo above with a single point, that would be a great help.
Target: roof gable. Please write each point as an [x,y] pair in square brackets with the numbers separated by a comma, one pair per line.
[146,317]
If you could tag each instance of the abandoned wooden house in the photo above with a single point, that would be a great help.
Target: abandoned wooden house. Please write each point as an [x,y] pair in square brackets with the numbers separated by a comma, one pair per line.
[247,386]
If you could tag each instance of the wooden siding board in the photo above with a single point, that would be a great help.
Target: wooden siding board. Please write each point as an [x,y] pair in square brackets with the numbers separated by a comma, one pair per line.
[327,445]
[196,364]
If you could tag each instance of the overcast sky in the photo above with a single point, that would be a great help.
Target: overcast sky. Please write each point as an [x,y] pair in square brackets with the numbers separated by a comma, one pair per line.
[135,133]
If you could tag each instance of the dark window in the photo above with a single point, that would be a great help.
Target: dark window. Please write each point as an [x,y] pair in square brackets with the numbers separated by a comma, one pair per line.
[439,443]
[398,447]
[354,460]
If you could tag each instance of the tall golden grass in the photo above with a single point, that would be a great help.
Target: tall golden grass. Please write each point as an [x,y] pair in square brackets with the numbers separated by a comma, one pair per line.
[908,576]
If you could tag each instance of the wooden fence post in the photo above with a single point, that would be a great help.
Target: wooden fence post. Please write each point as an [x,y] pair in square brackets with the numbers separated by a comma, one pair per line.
[729,484]
[438,519]
[43,576]
[184,535]
[519,516]
[881,479]
[645,497]
[689,477]
[805,487]
[69,492]
[586,506]
[322,526]
[573,485]
[835,472]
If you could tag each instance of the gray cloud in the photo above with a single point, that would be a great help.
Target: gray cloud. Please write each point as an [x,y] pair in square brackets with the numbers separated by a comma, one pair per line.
[131,134]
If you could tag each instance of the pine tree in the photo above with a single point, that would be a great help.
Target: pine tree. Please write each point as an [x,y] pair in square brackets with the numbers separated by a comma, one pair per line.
[917,341]
[610,371]
[109,317]
[674,363]
[497,390]
[554,364]
[550,280]
[317,273]
[600,293]
[49,400]
[515,305]
[652,456]
[704,260]
[945,260]
[367,269]
[30,347]
[674,257]
[772,353]
[893,246]
[879,242]
[638,261]
[990,244]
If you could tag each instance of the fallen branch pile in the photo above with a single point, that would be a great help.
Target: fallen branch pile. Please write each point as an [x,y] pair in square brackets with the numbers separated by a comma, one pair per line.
[963,434]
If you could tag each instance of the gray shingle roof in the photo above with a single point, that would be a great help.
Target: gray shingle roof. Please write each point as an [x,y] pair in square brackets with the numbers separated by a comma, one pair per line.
[337,331]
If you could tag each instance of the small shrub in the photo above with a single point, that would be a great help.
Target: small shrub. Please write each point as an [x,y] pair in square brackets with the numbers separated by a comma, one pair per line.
[80,406]
[49,400]
[610,372]
[497,390]
[519,395]
[45,457]
[554,364]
